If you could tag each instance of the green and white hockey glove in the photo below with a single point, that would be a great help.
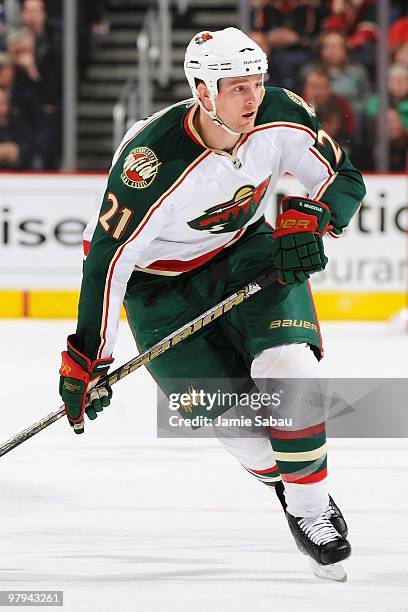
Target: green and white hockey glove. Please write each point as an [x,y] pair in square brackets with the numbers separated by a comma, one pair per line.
[298,234]
[78,377]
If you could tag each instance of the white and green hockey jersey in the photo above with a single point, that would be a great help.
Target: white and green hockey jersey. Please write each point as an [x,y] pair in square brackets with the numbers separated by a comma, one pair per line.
[172,204]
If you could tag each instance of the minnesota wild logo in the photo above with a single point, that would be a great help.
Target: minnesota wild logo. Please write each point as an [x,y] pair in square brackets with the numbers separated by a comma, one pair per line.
[234,214]
[140,168]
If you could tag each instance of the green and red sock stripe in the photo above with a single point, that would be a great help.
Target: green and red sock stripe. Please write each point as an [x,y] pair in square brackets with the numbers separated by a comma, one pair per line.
[301,455]
[269,476]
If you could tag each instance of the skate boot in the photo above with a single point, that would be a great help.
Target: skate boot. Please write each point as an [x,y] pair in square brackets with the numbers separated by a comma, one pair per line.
[325,547]
[336,518]
[333,512]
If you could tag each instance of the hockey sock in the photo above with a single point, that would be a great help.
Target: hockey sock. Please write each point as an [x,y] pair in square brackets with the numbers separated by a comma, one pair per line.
[302,460]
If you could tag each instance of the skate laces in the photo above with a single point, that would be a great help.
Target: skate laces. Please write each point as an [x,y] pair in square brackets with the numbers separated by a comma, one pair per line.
[318,530]
[330,511]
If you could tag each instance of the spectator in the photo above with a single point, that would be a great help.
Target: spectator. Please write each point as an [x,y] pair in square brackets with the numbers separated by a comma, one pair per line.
[33,16]
[21,47]
[14,139]
[41,70]
[348,80]
[21,91]
[47,50]
[331,121]
[398,93]
[317,91]
[7,72]
[400,55]
[398,33]
[357,20]
[398,141]
[9,19]
[285,31]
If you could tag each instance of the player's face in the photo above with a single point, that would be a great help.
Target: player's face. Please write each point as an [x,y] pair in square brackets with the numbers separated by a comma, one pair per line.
[238,101]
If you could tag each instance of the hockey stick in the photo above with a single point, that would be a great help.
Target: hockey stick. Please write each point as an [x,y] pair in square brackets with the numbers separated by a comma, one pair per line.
[157,349]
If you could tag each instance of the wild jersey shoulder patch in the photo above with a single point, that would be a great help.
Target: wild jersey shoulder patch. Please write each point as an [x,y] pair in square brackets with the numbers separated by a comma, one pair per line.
[140,168]
[299,100]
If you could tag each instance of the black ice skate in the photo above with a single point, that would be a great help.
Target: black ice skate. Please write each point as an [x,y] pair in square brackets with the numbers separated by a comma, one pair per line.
[333,512]
[319,539]
[326,548]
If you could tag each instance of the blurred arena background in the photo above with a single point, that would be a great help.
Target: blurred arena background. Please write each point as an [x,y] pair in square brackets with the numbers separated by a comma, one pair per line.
[74,75]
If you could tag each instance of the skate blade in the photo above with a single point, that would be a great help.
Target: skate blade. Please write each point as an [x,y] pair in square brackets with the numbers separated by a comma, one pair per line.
[335,572]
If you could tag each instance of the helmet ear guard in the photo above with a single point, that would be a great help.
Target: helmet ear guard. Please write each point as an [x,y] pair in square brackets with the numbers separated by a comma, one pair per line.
[211,56]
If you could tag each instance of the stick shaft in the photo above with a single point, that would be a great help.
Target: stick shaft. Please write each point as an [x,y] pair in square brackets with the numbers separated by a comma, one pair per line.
[157,349]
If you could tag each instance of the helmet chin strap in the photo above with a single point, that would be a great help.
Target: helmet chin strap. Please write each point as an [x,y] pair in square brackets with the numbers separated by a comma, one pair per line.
[215,118]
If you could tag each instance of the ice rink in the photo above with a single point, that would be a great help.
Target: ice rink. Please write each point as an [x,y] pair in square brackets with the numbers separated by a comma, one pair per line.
[122,521]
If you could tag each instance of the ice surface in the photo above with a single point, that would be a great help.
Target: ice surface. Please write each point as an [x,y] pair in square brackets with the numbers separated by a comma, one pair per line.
[122,521]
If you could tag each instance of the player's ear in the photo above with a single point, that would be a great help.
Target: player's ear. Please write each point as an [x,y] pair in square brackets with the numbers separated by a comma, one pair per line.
[203,92]
[204,95]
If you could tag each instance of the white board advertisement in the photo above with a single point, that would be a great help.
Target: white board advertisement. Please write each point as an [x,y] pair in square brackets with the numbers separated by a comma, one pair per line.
[42,218]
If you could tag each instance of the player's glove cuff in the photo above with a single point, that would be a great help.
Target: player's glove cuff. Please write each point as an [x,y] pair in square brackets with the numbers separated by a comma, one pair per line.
[302,215]
[78,374]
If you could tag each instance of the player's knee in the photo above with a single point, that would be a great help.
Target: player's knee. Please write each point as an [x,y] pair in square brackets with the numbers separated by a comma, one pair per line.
[286,361]
[254,452]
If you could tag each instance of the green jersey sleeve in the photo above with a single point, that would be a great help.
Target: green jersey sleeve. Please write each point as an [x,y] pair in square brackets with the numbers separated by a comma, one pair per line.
[314,157]
[325,170]
[134,210]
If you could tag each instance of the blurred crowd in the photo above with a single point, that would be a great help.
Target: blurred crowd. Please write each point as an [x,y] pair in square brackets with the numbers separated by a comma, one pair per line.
[31,33]
[326,52]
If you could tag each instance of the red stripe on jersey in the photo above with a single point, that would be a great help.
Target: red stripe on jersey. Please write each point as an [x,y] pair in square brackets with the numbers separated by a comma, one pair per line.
[177,265]
[293,435]
[329,169]
[324,162]
[295,478]
[187,127]
[86,245]
[136,233]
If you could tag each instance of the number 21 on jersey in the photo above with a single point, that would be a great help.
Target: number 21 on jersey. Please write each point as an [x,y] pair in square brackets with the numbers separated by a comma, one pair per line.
[115,230]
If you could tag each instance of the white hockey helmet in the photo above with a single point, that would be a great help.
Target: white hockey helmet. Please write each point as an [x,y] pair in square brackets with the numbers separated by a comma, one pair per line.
[211,56]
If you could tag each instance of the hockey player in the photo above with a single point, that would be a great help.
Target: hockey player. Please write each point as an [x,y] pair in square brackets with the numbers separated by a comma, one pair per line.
[182,226]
